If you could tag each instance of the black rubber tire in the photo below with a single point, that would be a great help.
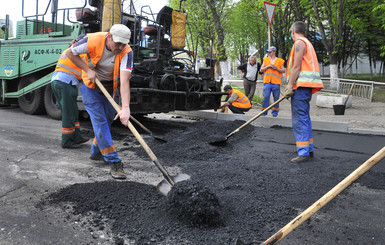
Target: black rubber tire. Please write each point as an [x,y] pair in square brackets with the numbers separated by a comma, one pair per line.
[31,103]
[51,106]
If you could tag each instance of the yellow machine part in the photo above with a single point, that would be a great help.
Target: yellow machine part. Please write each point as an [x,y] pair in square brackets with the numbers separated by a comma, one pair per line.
[111,14]
[178,29]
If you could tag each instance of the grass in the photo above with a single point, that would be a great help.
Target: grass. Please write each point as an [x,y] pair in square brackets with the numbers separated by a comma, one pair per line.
[367,78]
[379,94]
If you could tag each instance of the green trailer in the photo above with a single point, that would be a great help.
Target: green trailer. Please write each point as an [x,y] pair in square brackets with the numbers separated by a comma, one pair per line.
[163,78]
[27,64]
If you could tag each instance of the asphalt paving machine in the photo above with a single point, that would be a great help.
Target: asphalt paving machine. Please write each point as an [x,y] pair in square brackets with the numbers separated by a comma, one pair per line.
[164,77]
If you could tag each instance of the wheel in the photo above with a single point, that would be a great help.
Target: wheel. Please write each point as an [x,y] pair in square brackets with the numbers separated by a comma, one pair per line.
[33,102]
[50,104]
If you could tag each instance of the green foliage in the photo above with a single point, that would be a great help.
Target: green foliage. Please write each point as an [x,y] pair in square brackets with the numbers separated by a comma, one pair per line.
[204,25]
[341,30]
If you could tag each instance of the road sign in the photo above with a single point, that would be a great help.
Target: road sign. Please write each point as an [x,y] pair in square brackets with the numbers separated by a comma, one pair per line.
[270,9]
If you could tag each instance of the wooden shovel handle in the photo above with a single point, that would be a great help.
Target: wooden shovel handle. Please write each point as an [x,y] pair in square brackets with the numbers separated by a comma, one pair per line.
[135,132]
[350,91]
[141,125]
[255,117]
[326,198]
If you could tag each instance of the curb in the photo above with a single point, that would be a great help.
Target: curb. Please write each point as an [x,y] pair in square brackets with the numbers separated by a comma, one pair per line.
[340,127]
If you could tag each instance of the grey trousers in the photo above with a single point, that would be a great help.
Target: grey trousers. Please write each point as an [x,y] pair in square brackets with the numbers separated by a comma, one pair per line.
[249,88]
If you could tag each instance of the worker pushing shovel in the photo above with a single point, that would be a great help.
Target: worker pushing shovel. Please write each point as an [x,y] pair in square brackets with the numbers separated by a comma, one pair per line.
[222,141]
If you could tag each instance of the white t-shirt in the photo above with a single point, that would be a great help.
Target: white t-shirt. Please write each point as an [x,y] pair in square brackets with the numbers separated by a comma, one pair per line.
[105,66]
[251,71]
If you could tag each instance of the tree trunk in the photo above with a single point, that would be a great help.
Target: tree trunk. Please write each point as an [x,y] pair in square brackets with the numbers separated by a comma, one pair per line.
[370,59]
[221,55]
[224,65]
[333,72]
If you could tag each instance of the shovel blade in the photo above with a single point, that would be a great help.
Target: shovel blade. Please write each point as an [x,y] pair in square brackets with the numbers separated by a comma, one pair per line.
[159,138]
[221,142]
[239,242]
[164,187]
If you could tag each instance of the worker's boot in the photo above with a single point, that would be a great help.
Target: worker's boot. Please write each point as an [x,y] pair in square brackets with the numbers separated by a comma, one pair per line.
[117,171]
[299,159]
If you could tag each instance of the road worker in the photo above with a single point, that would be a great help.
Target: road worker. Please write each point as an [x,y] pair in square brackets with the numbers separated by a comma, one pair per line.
[303,80]
[109,58]
[273,68]
[238,103]
[64,83]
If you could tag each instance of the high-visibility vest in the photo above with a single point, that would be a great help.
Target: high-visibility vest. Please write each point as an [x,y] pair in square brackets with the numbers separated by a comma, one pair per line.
[271,75]
[96,44]
[242,101]
[64,64]
[309,75]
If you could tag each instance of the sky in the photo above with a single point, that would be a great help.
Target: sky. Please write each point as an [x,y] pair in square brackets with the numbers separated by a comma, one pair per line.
[14,9]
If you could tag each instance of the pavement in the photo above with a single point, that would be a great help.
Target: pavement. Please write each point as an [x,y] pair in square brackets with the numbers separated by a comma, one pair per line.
[363,117]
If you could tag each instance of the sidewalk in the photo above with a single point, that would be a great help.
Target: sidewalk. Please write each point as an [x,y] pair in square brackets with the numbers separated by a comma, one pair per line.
[363,117]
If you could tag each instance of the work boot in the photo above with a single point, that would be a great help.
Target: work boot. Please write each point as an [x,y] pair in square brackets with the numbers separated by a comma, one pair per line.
[311,154]
[81,141]
[300,159]
[117,171]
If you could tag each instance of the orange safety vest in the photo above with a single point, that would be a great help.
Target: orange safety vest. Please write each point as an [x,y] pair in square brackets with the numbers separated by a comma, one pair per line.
[64,64]
[271,75]
[242,101]
[96,44]
[309,75]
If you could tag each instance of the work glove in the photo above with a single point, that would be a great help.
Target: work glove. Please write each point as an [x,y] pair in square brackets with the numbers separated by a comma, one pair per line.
[288,91]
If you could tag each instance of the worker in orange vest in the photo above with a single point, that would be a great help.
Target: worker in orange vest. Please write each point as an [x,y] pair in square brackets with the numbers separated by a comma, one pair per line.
[109,58]
[303,80]
[64,83]
[273,68]
[238,103]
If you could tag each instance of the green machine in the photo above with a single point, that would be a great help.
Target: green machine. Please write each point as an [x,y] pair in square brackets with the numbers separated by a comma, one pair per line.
[164,77]
[28,60]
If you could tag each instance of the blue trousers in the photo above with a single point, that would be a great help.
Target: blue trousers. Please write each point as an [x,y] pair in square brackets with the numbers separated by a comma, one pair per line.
[300,110]
[269,88]
[102,115]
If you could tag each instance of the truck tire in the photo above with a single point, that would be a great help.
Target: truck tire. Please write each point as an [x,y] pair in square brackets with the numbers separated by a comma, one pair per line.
[50,104]
[33,102]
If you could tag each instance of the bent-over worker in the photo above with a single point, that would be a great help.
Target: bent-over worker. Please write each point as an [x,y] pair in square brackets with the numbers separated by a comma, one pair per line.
[303,80]
[108,58]
[238,103]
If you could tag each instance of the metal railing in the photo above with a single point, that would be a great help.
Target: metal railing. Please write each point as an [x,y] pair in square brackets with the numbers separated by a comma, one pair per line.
[362,89]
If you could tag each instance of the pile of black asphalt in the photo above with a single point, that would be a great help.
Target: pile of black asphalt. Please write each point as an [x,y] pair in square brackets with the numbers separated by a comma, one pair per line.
[251,188]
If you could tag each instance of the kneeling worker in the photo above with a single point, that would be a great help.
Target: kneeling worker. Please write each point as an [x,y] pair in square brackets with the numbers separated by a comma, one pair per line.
[238,103]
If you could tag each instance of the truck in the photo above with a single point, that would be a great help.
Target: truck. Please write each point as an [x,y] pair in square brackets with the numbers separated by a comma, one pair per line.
[164,76]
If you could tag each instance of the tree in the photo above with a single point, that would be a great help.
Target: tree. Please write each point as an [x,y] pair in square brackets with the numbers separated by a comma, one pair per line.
[246,29]
[330,16]
[205,22]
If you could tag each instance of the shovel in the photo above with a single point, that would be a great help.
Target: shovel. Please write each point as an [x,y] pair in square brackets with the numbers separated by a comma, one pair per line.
[166,184]
[222,141]
[305,215]
[147,130]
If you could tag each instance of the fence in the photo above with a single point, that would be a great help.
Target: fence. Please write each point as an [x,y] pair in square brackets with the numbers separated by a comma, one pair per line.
[361,89]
